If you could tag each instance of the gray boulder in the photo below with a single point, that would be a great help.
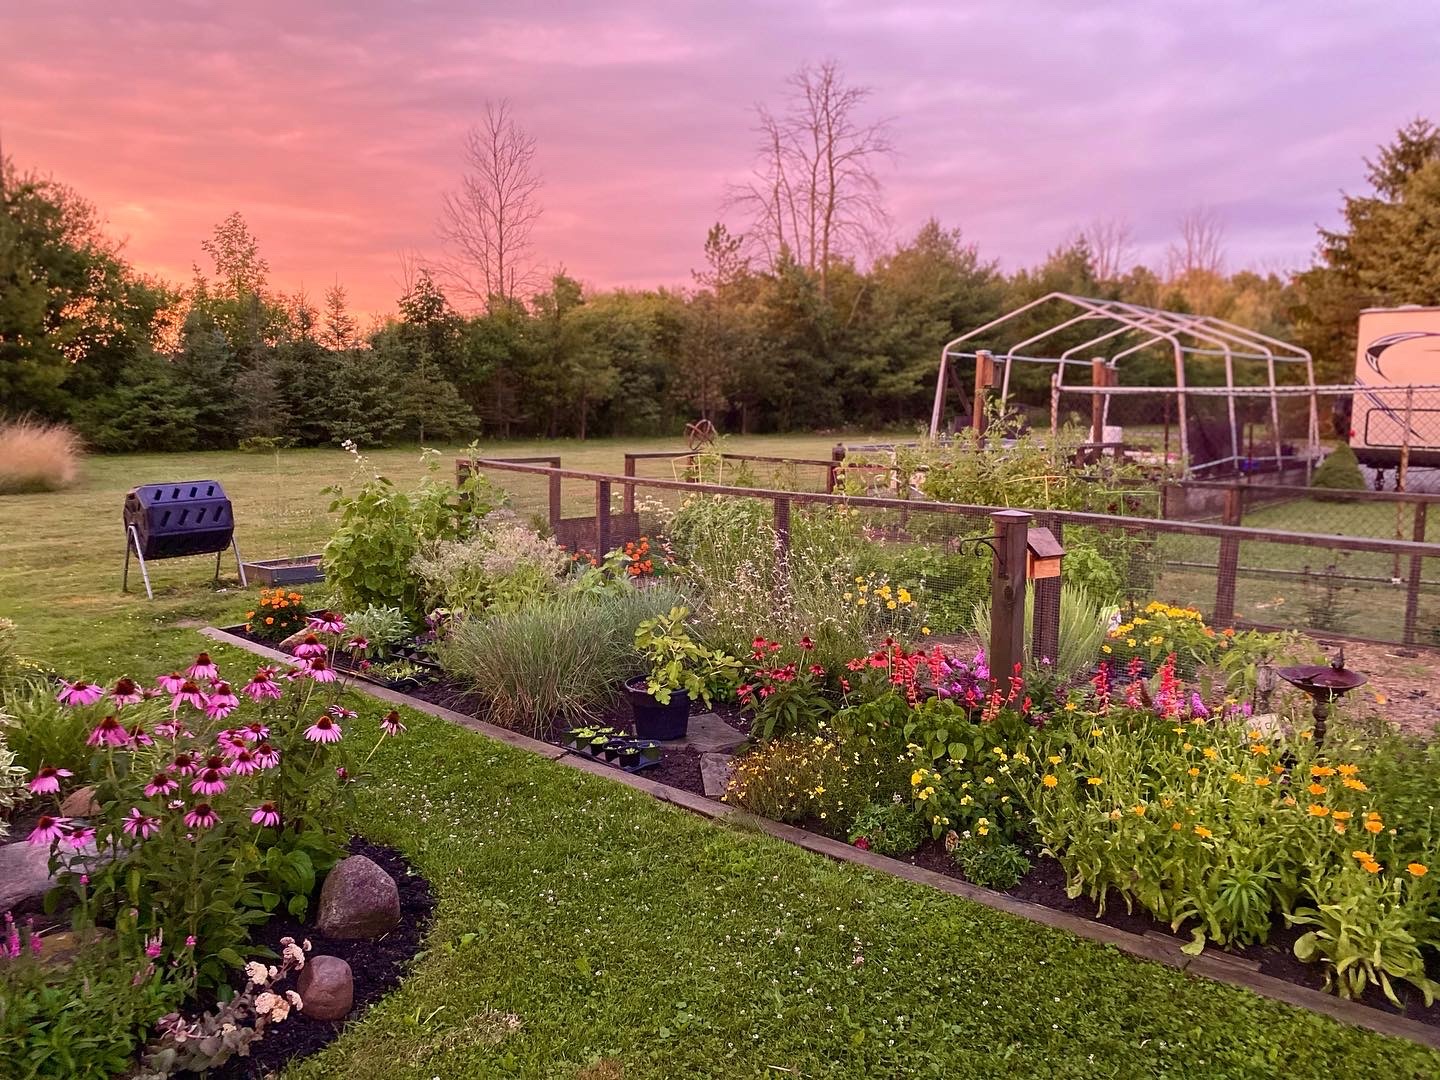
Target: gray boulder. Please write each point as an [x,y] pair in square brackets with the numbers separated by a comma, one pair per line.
[327,988]
[359,900]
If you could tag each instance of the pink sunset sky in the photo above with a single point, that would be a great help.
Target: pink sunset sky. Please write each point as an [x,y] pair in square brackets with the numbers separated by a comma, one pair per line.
[334,127]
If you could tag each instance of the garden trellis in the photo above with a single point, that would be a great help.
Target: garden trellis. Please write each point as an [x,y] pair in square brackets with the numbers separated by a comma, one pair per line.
[1121,331]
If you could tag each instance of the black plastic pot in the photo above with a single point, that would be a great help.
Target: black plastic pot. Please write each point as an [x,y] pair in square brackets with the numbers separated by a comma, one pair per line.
[656,721]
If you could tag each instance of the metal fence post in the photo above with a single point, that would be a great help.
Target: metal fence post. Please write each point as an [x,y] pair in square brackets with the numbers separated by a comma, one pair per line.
[1045,636]
[602,518]
[1007,594]
[1412,586]
[1229,561]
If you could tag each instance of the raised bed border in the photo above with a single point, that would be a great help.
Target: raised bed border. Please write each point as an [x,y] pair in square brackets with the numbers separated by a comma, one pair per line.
[1211,964]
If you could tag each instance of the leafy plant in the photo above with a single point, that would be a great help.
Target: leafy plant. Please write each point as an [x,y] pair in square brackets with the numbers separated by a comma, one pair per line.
[38,730]
[502,566]
[381,626]
[1082,629]
[786,691]
[677,662]
[989,864]
[278,613]
[889,828]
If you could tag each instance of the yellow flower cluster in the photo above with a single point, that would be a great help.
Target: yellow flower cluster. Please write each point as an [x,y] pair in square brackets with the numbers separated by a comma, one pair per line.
[877,590]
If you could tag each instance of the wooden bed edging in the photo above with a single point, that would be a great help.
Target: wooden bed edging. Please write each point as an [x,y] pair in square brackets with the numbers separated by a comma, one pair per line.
[1211,964]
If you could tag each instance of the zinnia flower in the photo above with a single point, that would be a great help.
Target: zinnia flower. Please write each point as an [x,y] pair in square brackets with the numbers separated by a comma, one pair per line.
[265,814]
[79,693]
[266,756]
[109,732]
[323,730]
[326,622]
[221,702]
[138,823]
[125,692]
[48,829]
[47,780]
[1418,869]
[263,685]
[202,817]
[319,669]
[203,668]
[160,784]
[390,723]
[310,646]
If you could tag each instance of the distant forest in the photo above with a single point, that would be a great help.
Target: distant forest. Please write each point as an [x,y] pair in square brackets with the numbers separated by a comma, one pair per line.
[801,318]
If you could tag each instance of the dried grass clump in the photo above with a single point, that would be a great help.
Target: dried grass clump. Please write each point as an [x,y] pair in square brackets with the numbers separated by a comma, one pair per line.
[37,456]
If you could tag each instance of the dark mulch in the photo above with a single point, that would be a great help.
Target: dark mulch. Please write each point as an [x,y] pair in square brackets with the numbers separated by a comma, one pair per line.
[377,966]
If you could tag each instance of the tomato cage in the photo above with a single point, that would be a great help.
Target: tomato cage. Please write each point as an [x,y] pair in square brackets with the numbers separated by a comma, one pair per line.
[1220,424]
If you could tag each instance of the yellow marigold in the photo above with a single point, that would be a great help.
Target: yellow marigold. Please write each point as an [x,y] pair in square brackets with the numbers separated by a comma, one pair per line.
[1277,768]
[1362,855]
[1373,826]
[1340,827]
[1348,770]
[1049,780]
[1239,778]
[1316,810]
[1070,706]
[1094,781]
[1187,746]
[1054,759]
[1354,785]
[1259,748]
[1105,648]
[1167,803]
[1203,832]
[1193,771]
[1342,815]
[1138,809]
[1321,770]
[1211,753]
[1317,789]
[1372,867]
[1175,827]
[1418,869]
[1262,781]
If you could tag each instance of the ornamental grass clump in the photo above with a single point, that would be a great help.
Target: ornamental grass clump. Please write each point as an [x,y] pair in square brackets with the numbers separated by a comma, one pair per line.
[37,456]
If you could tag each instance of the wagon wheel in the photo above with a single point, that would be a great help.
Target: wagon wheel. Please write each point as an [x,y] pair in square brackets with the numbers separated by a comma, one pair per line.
[700,434]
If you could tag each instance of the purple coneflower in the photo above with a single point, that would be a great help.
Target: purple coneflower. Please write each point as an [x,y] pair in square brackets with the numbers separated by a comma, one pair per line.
[310,645]
[221,702]
[262,685]
[171,683]
[342,774]
[184,765]
[201,817]
[359,643]
[77,836]
[390,723]
[138,823]
[47,780]
[160,784]
[266,756]
[243,763]
[170,729]
[126,691]
[48,829]
[188,694]
[138,737]
[230,742]
[109,732]
[339,712]
[211,779]
[319,669]
[326,622]
[266,814]
[79,693]
[253,732]
[323,730]
[203,668]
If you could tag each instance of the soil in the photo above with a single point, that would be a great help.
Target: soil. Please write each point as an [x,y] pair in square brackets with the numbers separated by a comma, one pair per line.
[1404,686]
[376,965]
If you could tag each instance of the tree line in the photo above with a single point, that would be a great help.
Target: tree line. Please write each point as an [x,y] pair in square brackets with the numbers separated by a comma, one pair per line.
[802,319]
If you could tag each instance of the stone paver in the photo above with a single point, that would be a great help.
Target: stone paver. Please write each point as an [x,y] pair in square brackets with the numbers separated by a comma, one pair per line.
[708,732]
[715,773]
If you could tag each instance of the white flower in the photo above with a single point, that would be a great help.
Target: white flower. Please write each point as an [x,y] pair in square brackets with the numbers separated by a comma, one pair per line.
[294,998]
[294,954]
[267,1003]
[255,972]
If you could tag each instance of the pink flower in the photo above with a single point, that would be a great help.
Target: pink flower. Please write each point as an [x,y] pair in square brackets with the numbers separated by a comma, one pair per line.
[109,732]
[80,693]
[263,685]
[190,941]
[326,622]
[266,756]
[161,784]
[339,712]
[188,694]
[171,683]
[359,643]
[126,692]
[201,817]
[47,780]
[138,823]
[265,814]
[167,729]
[342,774]
[203,668]
[862,842]
[153,945]
[390,723]
[48,829]
[184,764]
[137,736]
[208,782]
[243,763]
[323,730]
[230,742]
[77,836]
[253,732]
[310,645]
[221,702]
[319,669]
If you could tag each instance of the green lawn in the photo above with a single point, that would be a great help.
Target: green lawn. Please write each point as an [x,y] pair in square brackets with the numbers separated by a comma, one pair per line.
[629,933]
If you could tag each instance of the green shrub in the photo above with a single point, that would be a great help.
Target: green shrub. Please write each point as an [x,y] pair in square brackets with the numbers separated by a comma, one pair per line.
[998,865]
[889,828]
[36,456]
[1339,471]
[41,731]
[502,566]
[562,660]
[1083,623]
[382,627]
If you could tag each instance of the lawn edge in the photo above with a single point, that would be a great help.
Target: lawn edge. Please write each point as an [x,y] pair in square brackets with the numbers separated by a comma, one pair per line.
[1224,969]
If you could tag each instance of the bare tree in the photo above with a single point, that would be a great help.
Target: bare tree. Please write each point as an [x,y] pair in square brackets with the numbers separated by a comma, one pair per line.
[814,193]
[1112,247]
[486,224]
[1201,247]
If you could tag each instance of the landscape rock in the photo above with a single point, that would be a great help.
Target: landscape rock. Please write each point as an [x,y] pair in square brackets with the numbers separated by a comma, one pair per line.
[359,900]
[80,803]
[715,773]
[24,875]
[327,988]
[710,734]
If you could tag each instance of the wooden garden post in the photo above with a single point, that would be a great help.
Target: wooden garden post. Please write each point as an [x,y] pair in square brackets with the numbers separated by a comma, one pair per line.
[1007,594]
[984,381]
[629,503]
[1228,563]
[1099,378]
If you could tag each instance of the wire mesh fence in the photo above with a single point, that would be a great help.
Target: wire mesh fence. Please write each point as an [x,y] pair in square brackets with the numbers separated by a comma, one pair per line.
[807,558]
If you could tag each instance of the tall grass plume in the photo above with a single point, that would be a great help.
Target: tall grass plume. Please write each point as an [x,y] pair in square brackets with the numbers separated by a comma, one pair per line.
[37,456]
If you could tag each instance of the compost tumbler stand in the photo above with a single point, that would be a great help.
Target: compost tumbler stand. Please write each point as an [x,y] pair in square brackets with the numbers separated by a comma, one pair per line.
[132,540]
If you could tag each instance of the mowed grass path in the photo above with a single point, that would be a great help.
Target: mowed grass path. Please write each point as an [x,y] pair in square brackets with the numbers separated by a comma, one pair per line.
[630,939]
